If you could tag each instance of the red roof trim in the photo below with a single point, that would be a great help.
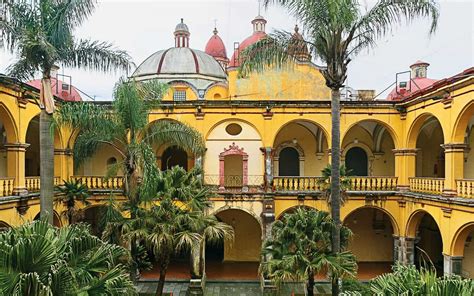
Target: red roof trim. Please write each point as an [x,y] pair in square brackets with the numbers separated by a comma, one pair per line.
[161,61]
[438,84]
[195,61]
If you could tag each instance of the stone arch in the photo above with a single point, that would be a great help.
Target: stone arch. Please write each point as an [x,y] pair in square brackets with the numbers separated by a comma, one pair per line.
[388,128]
[415,127]
[368,151]
[319,126]
[414,221]
[291,209]
[393,221]
[459,239]
[461,123]
[91,216]
[230,120]
[8,122]
[248,234]
[56,218]
[4,226]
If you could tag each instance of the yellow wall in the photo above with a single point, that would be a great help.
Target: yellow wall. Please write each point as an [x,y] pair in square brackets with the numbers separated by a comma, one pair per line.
[247,236]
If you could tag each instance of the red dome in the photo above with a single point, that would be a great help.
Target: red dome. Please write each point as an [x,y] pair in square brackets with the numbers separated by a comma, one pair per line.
[416,85]
[68,94]
[215,46]
[256,36]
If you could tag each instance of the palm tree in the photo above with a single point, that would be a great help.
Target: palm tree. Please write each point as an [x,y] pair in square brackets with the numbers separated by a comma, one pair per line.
[38,259]
[73,192]
[336,31]
[300,247]
[41,34]
[176,222]
[325,183]
[408,280]
[124,127]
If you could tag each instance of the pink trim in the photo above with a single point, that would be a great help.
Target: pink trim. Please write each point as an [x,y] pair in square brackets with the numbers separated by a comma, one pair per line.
[233,150]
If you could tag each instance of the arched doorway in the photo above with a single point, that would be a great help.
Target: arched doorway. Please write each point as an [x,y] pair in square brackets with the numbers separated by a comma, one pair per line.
[372,243]
[357,162]
[243,254]
[92,216]
[430,161]
[368,148]
[32,155]
[463,251]
[174,156]
[289,162]
[428,241]
[56,219]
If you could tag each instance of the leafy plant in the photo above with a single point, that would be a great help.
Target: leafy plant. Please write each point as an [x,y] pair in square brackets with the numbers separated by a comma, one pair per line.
[325,183]
[73,192]
[37,259]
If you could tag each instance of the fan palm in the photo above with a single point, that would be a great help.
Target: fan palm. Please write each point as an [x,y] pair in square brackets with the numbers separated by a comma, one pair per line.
[336,31]
[408,280]
[124,127]
[41,34]
[300,247]
[325,183]
[177,222]
[73,192]
[38,259]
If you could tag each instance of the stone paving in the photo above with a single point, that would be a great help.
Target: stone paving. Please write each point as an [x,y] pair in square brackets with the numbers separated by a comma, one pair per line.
[148,288]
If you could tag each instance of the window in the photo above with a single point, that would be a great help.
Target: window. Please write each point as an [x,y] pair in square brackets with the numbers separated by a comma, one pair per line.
[233,129]
[111,161]
[179,95]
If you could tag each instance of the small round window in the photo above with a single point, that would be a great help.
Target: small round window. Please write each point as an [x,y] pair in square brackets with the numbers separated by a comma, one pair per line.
[233,129]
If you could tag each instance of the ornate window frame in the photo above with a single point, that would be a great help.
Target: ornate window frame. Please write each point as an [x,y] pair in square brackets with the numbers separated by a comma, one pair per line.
[233,150]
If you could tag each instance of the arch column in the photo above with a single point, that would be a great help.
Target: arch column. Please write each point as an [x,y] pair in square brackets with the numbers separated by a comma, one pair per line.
[452,264]
[63,163]
[404,250]
[454,166]
[268,156]
[16,166]
[405,166]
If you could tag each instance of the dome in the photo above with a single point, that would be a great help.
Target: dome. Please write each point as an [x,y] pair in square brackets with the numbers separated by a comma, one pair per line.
[258,33]
[419,81]
[181,27]
[61,89]
[180,60]
[215,46]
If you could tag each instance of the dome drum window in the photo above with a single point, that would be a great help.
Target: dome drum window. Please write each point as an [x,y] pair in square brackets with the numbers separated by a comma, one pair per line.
[179,95]
[233,129]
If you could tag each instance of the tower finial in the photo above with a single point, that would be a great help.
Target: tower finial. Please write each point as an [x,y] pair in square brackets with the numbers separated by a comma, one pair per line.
[259,6]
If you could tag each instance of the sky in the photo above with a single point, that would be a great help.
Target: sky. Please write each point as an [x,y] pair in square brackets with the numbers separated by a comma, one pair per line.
[144,27]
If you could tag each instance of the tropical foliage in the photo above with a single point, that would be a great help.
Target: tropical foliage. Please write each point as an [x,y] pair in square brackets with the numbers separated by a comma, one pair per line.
[334,32]
[73,192]
[408,280]
[177,221]
[325,183]
[300,248]
[41,34]
[37,259]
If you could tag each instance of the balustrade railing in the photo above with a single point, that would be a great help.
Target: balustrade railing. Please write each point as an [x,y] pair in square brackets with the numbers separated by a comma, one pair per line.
[282,183]
[373,183]
[234,181]
[33,183]
[427,185]
[465,188]
[6,186]
[100,182]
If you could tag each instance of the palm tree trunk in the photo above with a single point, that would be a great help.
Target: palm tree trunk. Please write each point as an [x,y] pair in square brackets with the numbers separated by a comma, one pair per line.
[310,285]
[164,262]
[46,167]
[335,177]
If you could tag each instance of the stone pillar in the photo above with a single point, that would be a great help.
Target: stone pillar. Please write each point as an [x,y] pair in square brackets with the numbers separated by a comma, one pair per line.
[197,281]
[454,166]
[452,265]
[404,250]
[16,166]
[268,155]
[405,166]
[63,164]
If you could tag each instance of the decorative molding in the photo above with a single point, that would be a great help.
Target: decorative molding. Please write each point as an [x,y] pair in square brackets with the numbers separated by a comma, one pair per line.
[405,151]
[454,147]
[233,150]
[447,212]
[20,147]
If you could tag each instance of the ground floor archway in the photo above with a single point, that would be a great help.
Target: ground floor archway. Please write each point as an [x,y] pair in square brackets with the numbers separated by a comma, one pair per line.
[92,216]
[463,250]
[56,219]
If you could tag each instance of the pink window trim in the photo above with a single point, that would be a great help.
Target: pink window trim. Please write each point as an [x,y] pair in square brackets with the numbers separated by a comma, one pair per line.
[233,150]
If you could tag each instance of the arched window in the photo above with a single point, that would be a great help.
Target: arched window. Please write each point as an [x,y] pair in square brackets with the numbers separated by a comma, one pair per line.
[174,156]
[357,162]
[289,162]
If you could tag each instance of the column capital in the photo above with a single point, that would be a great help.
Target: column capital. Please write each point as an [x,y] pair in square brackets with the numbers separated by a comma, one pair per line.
[66,151]
[16,146]
[454,147]
[405,151]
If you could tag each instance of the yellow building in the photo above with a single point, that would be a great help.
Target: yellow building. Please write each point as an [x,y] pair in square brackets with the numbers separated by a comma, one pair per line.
[268,138]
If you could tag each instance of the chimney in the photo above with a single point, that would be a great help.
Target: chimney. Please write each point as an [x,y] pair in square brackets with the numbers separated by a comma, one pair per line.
[54,71]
